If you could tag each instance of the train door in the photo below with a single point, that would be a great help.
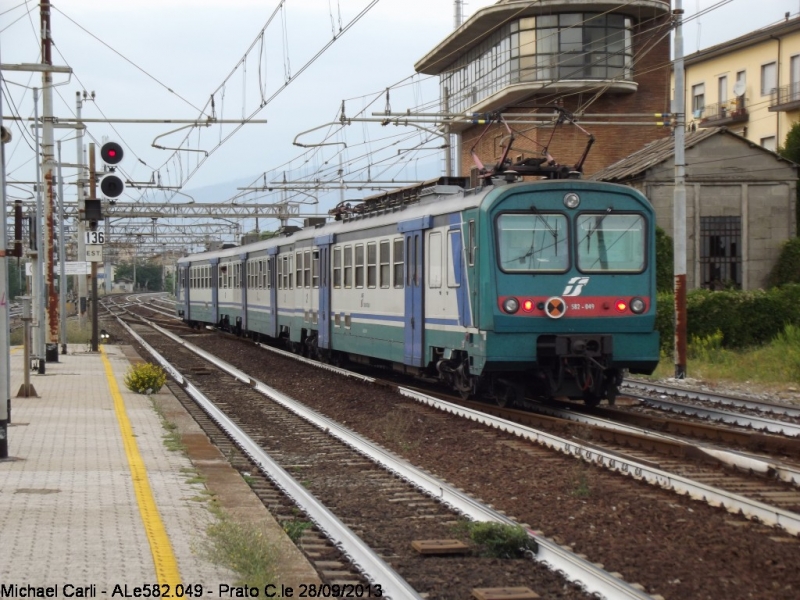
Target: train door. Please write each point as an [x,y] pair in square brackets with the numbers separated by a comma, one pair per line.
[324,324]
[272,267]
[413,231]
[214,290]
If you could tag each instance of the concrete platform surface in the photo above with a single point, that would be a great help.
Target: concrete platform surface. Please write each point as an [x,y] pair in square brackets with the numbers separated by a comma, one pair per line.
[91,498]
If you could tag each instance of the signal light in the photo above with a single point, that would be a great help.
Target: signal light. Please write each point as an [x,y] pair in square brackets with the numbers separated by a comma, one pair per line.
[111,185]
[621,305]
[111,153]
[527,305]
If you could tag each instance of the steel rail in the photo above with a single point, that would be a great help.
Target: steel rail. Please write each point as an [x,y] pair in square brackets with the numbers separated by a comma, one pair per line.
[749,403]
[370,564]
[573,567]
[752,509]
[723,416]
[731,458]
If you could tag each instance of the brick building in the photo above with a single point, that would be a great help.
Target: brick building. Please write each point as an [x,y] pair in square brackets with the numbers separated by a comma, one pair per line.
[608,63]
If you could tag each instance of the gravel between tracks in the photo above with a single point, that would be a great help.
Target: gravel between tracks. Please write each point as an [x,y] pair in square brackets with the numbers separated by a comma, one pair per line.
[674,546]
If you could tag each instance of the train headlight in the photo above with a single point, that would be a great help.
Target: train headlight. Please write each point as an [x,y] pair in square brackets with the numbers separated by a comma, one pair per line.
[511,305]
[527,306]
[637,305]
[621,305]
[572,200]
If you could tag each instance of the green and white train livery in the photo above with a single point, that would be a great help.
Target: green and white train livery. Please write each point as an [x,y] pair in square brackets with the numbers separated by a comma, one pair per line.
[535,289]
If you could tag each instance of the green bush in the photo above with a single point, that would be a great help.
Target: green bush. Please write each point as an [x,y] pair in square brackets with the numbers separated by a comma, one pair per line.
[145,378]
[787,268]
[743,319]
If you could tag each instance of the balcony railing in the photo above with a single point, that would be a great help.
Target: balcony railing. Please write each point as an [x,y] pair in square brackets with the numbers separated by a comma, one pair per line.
[725,113]
[785,98]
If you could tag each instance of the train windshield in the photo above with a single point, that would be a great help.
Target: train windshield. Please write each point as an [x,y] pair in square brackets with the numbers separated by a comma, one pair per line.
[611,242]
[533,242]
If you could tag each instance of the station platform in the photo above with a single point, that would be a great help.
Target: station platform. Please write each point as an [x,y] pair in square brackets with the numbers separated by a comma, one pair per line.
[93,502]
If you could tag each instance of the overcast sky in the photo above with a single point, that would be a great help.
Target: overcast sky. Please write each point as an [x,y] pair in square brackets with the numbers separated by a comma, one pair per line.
[191,46]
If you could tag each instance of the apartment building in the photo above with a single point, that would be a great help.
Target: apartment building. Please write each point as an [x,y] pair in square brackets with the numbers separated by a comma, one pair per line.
[750,84]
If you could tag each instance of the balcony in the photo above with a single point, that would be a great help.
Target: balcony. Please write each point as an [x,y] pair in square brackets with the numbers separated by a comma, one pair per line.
[725,113]
[785,98]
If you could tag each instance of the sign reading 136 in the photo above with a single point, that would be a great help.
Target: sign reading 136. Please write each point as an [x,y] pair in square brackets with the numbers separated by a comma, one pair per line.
[95,237]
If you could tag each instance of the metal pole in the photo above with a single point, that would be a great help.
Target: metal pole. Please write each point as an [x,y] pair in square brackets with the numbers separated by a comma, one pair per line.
[107,258]
[5,348]
[93,195]
[27,390]
[62,258]
[48,167]
[679,197]
[82,283]
[38,272]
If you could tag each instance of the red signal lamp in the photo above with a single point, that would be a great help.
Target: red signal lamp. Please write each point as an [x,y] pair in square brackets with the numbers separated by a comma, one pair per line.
[527,305]
[621,305]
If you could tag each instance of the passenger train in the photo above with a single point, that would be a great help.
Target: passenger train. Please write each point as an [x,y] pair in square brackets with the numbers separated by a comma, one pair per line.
[531,289]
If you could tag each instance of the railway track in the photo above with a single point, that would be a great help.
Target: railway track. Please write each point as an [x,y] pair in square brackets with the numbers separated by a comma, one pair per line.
[572,525]
[342,467]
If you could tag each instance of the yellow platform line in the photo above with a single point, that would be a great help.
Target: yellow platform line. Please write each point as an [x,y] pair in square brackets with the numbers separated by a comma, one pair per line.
[163,557]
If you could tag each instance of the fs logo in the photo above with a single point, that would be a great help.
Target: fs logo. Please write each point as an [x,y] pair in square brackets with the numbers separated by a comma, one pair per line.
[575,286]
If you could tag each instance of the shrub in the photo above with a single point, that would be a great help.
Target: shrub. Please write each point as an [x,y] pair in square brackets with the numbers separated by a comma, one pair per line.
[787,267]
[498,540]
[665,263]
[145,378]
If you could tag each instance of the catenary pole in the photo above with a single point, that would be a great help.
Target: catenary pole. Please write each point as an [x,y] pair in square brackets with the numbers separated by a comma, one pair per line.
[48,172]
[679,198]
[62,259]
[5,348]
[37,268]
[82,177]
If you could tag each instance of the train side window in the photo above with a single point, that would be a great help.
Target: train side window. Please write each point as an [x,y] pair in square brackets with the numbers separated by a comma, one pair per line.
[279,261]
[471,243]
[337,267]
[289,272]
[267,274]
[372,265]
[435,260]
[385,262]
[220,275]
[398,262]
[348,266]
[453,254]
[306,269]
[298,266]
[315,269]
[359,265]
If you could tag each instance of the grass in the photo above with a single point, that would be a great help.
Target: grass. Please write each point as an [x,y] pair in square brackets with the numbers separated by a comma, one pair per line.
[242,548]
[75,333]
[775,365]
[497,540]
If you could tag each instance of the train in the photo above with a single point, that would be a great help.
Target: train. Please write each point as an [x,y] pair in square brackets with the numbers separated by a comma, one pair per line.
[506,291]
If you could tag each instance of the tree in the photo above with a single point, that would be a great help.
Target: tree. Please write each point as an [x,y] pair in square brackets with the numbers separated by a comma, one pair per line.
[791,151]
[148,274]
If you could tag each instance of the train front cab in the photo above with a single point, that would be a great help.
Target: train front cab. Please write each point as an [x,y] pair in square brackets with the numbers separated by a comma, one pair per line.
[567,289]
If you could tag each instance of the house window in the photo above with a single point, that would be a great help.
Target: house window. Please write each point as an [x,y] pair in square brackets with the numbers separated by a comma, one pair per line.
[770,143]
[722,89]
[698,99]
[720,252]
[769,78]
[794,78]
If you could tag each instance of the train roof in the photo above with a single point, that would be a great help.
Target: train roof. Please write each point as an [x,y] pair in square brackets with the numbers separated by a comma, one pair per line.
[437,200]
